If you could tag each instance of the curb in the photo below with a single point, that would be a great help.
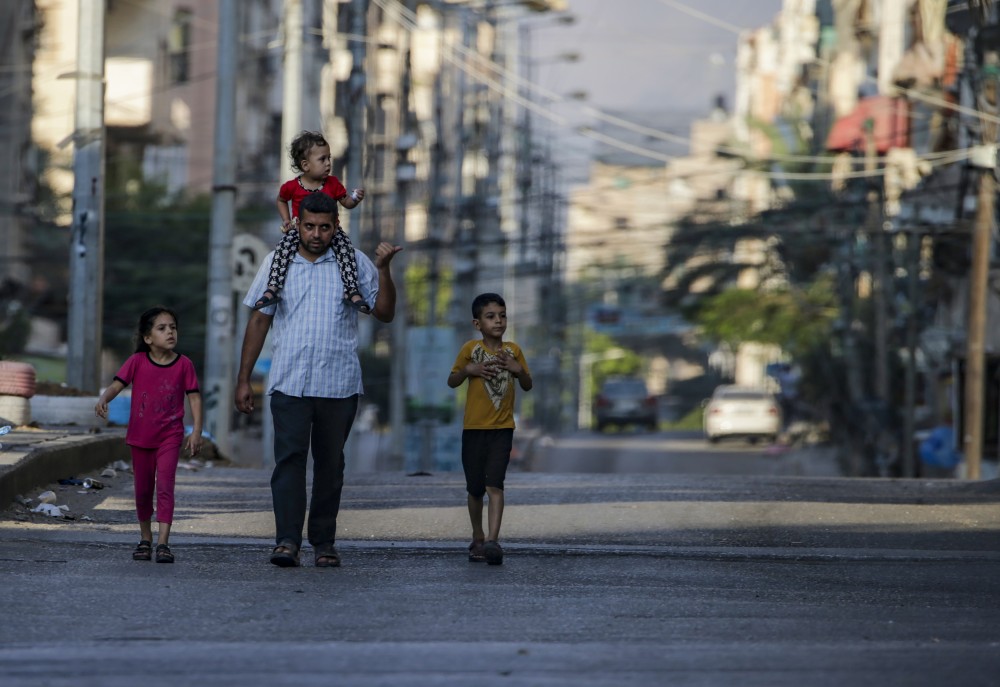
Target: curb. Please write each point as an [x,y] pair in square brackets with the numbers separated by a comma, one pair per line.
[58,459]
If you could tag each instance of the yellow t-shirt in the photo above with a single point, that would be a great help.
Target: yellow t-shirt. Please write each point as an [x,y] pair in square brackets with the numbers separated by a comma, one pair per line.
[489,403]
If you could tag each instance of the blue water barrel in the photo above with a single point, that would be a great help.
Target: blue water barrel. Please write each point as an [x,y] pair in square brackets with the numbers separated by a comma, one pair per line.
[119,408]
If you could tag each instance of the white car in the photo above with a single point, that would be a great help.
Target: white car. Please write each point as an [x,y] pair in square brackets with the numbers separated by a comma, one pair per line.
[739,411]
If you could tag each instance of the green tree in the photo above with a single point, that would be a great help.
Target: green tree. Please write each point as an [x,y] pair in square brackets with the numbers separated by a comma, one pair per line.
[417,283]
[156,253]
[620,361]
[798,319]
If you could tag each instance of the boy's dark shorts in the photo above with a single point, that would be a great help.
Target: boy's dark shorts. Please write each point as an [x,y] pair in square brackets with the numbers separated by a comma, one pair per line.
[485,457]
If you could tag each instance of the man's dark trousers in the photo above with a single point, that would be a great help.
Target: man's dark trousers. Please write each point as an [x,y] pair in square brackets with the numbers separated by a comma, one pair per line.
[326,422]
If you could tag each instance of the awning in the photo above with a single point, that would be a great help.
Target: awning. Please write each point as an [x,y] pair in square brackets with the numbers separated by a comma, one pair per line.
[890,117]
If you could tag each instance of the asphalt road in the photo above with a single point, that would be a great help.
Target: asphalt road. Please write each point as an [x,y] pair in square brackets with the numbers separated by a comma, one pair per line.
[637,451]
[609,580]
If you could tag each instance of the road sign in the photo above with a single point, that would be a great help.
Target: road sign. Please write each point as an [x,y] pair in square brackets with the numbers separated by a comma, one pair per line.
[248,253]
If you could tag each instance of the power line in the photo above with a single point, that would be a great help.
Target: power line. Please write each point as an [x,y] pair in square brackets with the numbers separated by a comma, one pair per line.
[473,56]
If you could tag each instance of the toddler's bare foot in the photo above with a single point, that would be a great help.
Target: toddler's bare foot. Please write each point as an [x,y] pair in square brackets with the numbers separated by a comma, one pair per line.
[269,298]
[358,303]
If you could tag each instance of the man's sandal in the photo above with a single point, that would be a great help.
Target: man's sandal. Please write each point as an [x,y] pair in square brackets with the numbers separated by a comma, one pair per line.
[163,554]
[144,551]
[327,557]
[476,554]
[285,556]
[269,298]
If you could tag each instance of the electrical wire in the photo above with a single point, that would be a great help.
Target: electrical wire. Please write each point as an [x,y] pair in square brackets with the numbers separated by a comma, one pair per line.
[593,112]
[471,55]
[544,112]
[698,14]
[945,157]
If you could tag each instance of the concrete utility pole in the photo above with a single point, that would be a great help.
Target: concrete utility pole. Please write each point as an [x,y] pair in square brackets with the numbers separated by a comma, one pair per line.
[86,257]
[219,352]
[291,100]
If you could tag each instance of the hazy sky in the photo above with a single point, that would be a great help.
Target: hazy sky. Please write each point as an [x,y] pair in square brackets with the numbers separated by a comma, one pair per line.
[647,54]
[637,56]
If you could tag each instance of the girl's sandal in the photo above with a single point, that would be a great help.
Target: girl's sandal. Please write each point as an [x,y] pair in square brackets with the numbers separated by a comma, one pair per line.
[163,554]
[144,551]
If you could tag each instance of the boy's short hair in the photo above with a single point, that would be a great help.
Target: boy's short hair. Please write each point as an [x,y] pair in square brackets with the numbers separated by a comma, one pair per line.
[318,203]
[484,299]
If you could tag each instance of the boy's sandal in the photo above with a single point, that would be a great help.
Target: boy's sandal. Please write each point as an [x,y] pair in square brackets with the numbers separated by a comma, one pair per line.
[285,556]
[144,551]
[269,298]
[358,304]
[476,553]
[163,554]
[493,553]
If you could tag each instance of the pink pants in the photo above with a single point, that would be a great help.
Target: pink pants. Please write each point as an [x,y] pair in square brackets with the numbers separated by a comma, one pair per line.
[155,469]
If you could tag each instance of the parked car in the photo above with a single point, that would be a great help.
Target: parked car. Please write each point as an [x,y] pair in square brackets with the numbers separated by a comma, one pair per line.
[738,411]
[623,401]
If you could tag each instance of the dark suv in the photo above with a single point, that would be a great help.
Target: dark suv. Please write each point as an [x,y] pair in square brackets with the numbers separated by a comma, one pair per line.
[624,401]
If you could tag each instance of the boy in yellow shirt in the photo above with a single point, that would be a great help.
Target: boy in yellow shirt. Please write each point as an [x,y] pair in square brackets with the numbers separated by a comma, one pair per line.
[491,366]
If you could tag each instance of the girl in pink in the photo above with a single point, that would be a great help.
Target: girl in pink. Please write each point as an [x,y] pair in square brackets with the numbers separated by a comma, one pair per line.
[160,379]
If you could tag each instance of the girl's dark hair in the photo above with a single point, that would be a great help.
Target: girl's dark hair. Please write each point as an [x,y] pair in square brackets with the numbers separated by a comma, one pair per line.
[302,144]
[484,299]
[145,326]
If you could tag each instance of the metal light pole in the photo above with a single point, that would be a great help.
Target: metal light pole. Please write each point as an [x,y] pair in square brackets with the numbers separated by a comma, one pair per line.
[219,352]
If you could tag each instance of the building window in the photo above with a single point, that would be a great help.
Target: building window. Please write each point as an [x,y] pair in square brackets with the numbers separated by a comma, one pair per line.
[179,47]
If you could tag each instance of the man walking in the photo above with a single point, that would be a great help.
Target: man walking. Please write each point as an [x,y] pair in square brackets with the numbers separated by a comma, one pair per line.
[315,377]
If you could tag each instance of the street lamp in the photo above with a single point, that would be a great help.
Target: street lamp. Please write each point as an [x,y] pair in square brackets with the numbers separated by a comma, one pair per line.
[552,59]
